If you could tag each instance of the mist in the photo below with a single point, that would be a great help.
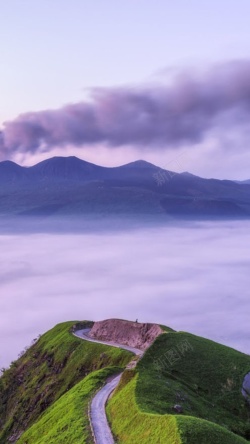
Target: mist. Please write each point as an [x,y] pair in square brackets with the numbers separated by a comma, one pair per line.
[192,277]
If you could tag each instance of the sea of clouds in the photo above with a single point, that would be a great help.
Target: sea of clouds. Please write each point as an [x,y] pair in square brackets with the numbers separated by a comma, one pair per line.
[193,277]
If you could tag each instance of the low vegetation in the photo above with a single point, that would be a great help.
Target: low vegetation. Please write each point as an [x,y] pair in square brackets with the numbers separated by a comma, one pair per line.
[131,425]
[189,385]
[66,420]
[46,371]
[184,390]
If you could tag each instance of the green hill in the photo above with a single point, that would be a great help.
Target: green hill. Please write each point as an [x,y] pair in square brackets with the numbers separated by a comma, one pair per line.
[184,390]
[192,375]
[66,420]
[47,371]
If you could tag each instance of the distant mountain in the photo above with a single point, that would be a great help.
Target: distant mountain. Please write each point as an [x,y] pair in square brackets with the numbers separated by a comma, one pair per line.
[10,171]
[70,186]
[140,164]
[65,168]
[244,182]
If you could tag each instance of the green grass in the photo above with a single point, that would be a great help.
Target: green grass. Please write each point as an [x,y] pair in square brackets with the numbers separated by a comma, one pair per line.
[201,375]
[204,377]
[199,431]
[133,426]
[45,393]
[167,329]
[47,371]
[66,421]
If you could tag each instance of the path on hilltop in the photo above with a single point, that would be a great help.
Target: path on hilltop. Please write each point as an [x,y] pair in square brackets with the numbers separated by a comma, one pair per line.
[98,418]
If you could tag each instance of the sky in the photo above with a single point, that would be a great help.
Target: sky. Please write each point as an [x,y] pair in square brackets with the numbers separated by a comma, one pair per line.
[112,82]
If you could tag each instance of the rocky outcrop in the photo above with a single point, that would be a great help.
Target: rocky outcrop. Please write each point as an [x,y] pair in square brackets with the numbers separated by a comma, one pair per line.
[134,334]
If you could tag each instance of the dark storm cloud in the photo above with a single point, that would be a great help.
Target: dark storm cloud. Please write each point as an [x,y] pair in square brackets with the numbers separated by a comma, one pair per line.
[166,115]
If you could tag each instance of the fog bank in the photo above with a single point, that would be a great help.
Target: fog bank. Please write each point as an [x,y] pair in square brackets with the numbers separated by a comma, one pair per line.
[193,277]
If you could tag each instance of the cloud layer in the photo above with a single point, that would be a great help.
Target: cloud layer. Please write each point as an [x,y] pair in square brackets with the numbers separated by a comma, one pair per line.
[193,278]
[170,114]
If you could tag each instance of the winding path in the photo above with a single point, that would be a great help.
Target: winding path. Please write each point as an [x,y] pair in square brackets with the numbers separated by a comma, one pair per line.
[98,419]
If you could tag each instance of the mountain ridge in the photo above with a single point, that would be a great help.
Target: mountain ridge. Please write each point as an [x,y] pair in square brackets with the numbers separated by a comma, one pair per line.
[175,390]
[71,186]
[54,164]
[60,161]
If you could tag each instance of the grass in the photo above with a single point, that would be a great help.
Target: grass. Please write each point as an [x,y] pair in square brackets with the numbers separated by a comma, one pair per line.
[197,431]
[201,375]
[133,426]
[48,370]
[66,421]
[45,393]
[204,377]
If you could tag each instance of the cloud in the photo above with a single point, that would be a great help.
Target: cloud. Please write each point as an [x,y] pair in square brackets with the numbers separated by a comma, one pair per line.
[192,278]
[171,114]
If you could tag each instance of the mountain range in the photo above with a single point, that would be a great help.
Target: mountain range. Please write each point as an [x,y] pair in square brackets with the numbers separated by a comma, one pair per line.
[70,186]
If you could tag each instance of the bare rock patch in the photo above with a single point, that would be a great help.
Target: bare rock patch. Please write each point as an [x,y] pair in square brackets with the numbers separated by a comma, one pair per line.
[133,334]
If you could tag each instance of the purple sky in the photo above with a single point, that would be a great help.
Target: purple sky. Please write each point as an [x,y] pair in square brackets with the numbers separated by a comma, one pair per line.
[120,82]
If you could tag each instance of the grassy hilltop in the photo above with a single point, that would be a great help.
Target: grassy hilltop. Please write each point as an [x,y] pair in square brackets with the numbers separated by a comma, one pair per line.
[200,376]
[50,386]
[185,390]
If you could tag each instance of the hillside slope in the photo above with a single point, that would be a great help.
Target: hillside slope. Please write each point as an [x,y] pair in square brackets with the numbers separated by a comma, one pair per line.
[48,370]
[187,381]
[132,425]
[66,420]
[184,390]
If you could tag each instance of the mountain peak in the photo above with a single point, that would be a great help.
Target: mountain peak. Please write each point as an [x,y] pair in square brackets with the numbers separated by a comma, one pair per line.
[9,164]
[64,167]
[140,164]
[11,171]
